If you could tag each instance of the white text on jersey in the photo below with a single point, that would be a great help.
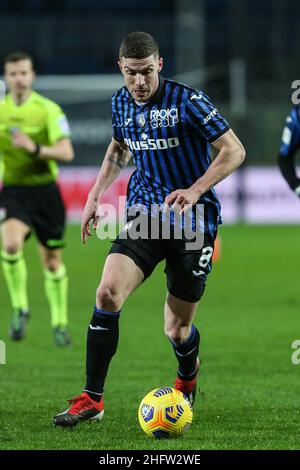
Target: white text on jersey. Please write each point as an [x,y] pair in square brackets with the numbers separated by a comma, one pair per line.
[152,144]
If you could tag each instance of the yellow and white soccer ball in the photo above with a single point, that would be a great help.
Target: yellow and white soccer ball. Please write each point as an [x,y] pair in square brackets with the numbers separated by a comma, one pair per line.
[164,413]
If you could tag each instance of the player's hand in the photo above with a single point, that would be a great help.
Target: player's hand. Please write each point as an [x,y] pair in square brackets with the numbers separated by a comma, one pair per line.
[21,140]
[89,216]
[182,200]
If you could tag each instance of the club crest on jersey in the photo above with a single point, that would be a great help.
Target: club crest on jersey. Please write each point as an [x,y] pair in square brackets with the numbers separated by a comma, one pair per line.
[163,117]
[141,120]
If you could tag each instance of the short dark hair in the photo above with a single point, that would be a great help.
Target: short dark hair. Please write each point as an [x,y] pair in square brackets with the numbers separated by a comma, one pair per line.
[17,56]
[138,45]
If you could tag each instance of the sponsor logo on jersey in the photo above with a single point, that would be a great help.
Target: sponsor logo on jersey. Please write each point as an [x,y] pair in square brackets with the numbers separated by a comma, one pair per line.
[153,144]
[163,117]
[210,115]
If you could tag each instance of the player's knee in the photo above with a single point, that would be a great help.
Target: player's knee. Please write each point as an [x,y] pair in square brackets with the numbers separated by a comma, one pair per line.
[108,297]
[177,331]
[52,264]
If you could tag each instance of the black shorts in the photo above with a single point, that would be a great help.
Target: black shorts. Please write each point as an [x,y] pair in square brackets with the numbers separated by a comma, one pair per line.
[39,207]
[186,269]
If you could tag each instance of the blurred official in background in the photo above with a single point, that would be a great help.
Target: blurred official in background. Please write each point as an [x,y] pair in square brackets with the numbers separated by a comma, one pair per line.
[34,136]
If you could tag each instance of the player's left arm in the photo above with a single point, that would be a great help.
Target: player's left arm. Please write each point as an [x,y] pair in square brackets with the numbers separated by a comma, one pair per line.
[203,117]
[231,155]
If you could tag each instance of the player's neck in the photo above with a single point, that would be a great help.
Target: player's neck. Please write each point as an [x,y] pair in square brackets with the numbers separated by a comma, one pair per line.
[141,104]
[20,98]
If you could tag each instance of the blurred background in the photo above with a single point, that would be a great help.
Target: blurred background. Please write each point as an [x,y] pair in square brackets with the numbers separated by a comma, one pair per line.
[243,53]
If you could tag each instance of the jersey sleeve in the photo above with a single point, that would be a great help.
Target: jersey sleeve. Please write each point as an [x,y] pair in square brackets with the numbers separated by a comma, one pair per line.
[204,117]
[116,122]
[57,124]
[290,140]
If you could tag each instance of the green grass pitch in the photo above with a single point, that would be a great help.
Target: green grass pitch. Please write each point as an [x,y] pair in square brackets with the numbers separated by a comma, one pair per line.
[248,319]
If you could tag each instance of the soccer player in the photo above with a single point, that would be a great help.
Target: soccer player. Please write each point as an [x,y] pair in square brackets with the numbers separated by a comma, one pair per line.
[34,136]
[167,127]
[290,144]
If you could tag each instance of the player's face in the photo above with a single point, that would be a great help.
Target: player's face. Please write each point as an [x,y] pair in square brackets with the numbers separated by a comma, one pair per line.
[19,76]
[141,76]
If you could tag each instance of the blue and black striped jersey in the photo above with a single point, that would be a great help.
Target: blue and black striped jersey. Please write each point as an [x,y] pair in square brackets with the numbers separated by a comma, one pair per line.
[290,143]
[290,140]
[169,138]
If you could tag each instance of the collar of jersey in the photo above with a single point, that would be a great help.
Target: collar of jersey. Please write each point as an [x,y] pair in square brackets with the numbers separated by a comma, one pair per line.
[9,98]
[155,98]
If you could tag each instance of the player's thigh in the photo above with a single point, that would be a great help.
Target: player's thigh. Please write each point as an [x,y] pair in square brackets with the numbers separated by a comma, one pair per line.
[121,276]
[51,258]
[178,313]
[13,233]
[187,270]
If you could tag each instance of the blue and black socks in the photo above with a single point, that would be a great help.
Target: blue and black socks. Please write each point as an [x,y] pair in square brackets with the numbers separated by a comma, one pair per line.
[102,343]
[186,354]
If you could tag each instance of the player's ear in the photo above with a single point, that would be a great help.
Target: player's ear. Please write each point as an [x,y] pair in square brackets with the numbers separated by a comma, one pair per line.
[160,63]
[120,65]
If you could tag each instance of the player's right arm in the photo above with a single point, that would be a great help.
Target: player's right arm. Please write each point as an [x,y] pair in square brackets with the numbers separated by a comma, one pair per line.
[290,143]
[116,158]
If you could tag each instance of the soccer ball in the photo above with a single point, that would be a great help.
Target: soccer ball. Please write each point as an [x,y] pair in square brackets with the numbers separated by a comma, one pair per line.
[165,412]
